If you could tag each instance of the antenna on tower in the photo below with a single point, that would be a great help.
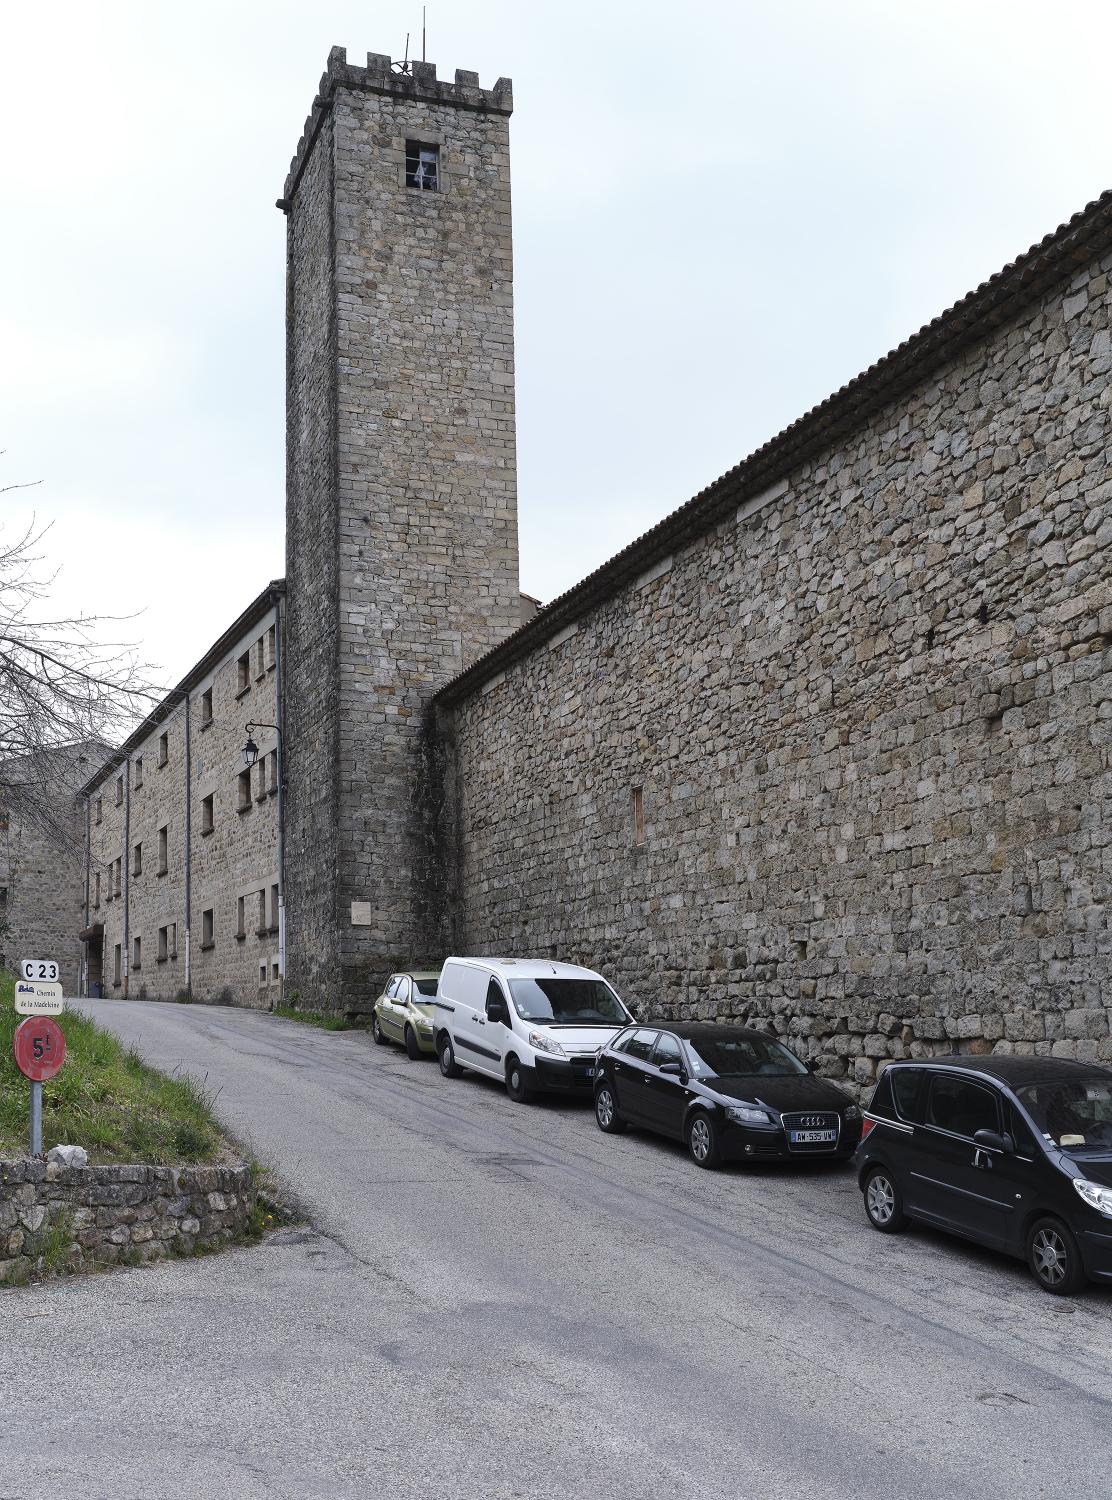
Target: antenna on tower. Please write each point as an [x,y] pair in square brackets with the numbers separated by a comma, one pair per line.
[423,58]
[403,66]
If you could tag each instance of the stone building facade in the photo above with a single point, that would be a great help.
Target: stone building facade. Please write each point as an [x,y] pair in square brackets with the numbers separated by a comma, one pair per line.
[183,851]
[41,880]
[828,749]
[401,510]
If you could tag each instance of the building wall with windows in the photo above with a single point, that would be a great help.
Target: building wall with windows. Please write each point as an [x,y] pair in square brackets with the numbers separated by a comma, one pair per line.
[184,838]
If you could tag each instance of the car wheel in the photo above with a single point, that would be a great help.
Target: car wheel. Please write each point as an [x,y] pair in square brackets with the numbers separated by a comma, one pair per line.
[518,1085]
[377,1031]
[606,1112]
[446,1052]
[702,1140]
[1054,1259]
[413,1052]
[883,1202]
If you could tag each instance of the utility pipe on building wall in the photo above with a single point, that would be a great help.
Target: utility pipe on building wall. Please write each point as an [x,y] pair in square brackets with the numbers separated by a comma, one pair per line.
[127,874]
[279,719]
[188,847]
[83,984]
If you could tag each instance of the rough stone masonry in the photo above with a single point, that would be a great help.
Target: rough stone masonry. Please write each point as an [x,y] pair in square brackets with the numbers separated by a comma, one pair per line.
[829,750]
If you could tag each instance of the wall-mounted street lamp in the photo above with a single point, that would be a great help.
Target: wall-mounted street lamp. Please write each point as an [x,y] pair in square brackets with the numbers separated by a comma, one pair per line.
[250,760]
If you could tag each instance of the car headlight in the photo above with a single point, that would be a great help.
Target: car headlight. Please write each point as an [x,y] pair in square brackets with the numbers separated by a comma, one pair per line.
[747,1114]
[851,1112]
[543,1043]
[1095,1196]
[423,1023]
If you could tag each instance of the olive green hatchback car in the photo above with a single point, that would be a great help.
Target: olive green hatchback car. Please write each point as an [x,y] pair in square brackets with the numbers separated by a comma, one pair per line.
[403,1012]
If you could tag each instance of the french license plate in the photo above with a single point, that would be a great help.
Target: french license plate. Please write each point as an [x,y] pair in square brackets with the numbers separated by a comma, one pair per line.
[814,1137]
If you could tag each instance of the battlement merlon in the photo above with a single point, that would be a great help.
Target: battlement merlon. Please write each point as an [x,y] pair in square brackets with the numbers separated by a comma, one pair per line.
[379,77]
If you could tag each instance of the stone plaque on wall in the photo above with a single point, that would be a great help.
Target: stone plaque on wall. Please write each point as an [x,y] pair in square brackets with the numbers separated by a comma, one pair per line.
[360,913]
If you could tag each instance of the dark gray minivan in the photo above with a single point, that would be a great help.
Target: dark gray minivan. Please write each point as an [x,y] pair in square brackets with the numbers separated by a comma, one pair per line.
[1014,1152]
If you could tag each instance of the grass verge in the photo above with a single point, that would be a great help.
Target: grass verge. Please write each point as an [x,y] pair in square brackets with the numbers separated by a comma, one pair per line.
[105,1099]
[319,1018]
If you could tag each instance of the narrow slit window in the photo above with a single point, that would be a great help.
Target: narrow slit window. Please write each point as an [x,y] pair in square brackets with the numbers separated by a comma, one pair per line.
[244,791]
[163,748]
[241,913]
[163,849]
[206,707]
[208,928]
[638,815]
[206,814]
[422,166]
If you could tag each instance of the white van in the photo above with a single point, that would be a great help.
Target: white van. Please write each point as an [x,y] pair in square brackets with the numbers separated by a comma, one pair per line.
[536,1024]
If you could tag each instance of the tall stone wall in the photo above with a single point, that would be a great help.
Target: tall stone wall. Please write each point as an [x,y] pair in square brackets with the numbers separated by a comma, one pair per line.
[868,721]
[401,501]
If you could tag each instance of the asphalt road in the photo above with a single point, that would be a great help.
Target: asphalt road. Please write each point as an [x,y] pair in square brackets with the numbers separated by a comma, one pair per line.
[496,1300]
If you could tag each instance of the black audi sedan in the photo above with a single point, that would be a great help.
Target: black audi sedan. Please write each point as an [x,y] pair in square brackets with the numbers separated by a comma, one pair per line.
[1013,1152]
[731,1094]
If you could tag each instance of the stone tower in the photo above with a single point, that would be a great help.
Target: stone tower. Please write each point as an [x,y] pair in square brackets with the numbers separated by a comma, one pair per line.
[401,504]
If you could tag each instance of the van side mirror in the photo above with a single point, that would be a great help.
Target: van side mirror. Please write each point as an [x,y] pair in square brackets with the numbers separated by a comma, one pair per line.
[992,1140]
[496,1011]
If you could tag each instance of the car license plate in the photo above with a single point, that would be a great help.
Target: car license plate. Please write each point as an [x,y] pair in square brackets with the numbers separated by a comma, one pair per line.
[814,1137]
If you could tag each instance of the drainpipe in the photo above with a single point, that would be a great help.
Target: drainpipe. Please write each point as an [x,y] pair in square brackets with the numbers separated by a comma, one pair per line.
[188,847]
[127,874]
[279,719]
[83,985]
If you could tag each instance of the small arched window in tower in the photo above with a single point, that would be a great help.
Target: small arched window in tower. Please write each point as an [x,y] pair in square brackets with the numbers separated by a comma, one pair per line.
[422,166]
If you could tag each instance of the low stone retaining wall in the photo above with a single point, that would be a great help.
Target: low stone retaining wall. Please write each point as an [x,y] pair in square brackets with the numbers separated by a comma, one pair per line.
[55,1218]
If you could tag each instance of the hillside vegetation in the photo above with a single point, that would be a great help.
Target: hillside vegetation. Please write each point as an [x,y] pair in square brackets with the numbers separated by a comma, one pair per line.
[105,1099]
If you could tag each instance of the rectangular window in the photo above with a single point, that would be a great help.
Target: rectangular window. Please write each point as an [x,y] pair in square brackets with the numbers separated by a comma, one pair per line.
[136,954]
[206,814]
[262,974]
[261,789]
[274,971]
[138,770]
[163,748]
[422,166]
[173,940]
[137,860]
[206,708]
[96,889]
[261,926]
[119,876]
[638,815]
[244,791]
[260,656]
[271,646]
[119,791]
[241,917]
[163,945]
[243,673]
[163,849]
[208,928]
[117,960]
[272,768]
[274,908]
[100,810]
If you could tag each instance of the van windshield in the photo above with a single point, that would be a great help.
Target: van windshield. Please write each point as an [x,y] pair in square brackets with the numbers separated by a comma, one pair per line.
[586,1002]
[1075,1115]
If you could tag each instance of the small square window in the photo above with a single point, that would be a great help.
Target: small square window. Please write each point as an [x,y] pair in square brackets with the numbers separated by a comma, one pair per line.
[422,166]
[206,707]
[206,814]
[163,749]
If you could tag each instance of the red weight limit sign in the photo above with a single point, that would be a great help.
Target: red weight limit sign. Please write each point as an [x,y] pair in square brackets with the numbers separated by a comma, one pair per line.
[39,1047]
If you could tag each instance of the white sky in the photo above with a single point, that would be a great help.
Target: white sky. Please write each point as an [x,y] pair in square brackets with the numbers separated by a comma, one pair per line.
[722,212]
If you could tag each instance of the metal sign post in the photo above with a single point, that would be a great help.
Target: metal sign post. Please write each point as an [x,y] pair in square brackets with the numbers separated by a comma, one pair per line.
[40,1050]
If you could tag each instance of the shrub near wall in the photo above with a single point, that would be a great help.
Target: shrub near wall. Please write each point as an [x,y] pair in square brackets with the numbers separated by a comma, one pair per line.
[55,1218]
